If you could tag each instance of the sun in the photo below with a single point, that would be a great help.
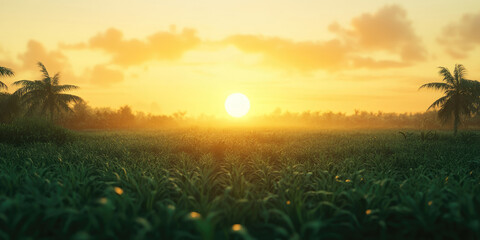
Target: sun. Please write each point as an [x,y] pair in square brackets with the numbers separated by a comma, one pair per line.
[237,105]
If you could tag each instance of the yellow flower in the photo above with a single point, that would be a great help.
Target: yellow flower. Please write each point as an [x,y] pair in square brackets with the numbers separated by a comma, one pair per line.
[118,190]
[446,179]
[368,212]
[471,172]
[236,227]
[348,180]
[103,200]
[195,215]
[361,179]
[337,177]
[288,202]
[430,203]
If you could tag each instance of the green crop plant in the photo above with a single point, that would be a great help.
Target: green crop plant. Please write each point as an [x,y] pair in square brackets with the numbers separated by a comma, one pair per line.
[242,184]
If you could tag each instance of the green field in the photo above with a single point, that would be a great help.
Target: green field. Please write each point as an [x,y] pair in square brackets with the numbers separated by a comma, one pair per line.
[277,184]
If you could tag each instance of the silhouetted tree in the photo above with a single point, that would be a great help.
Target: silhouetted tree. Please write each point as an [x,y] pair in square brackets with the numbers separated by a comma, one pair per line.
[9,107]
[125,117]
[461,95]
[5,72]
[46,95]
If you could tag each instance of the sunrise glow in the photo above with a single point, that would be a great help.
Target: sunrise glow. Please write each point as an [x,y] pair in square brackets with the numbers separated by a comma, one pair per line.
[237,105]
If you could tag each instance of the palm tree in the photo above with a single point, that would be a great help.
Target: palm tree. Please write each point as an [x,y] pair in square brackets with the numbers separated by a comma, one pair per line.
[461,95]
[5,72]
[46,95]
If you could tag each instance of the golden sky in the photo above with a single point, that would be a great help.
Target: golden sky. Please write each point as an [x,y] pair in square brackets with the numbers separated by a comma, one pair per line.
[163,56]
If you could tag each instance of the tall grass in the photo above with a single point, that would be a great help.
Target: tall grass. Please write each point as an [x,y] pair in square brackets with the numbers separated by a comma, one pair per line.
[199,184]
[32,130]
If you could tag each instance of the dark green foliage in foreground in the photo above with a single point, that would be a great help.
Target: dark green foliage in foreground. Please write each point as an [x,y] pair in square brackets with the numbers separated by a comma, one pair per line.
[33,130]
[277,185]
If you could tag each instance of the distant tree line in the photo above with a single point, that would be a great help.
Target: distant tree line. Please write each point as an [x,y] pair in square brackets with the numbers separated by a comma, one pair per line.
[46,98]
[428,120]
[85,117]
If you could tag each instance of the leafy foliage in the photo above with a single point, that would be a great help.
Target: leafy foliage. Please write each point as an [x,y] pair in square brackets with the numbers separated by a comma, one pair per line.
[242,184]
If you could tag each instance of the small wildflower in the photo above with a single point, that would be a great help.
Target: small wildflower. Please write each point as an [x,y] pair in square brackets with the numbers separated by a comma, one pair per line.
[348,180]
[288,202]
[337,177]
[446,179]
[368,212]
[236,227]
[430,203]
[361,179]
[118,190]
[103,200]
[195,215]
[471,172]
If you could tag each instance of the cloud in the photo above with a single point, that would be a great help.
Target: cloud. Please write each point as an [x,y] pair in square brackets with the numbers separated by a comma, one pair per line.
[103,76]
[287,53]
[367,62]
[386,31]
[55,61]
[127,52]
[462,36]
[26,63]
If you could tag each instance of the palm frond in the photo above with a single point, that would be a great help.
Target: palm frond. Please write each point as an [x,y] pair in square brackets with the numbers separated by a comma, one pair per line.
[3,85]
[437,86]
[471,86]
[43,69]
[6,72]
[63,106]
[27,86]
[447,76]
[63,88]
[67,98]
[438,102]
[459,72]
[34,96]
[55,79]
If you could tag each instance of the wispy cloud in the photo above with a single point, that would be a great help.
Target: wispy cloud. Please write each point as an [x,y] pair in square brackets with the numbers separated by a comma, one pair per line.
[166,45]
[461,36]
[386,31]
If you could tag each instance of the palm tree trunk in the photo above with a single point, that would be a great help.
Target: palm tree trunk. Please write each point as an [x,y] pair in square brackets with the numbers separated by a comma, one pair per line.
[51,113]
[456,121]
